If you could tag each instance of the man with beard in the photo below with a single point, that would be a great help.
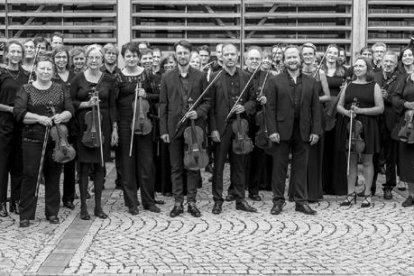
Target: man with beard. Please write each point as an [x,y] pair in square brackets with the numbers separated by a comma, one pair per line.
[294,121]
[179,87]
[223,94]
[387,80]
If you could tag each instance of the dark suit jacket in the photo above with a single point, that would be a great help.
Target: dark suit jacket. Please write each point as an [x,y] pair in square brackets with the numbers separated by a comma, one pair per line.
[172,105]
[280,107]
[221,102]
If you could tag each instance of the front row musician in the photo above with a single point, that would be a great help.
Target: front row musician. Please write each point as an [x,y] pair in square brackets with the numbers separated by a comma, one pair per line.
[134,100]
[93,95]
[31,107]
[367,94]
[294,119]
[223,94]
[177,86]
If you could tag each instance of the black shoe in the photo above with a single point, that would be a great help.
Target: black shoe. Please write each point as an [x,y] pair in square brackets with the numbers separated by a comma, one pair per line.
[24,223]
[76,196]
[118,187]
[14,207]
[168,194]
[3,210]
[217,208]
[100,214]
[305,208]
[53,219]
[408,202]
[367,202]
[193,210]
[277,208]
[209,168]
[159,202]
[152,208]
[255,197]
[88,195]
[210,179]
[244,206]
[133,211]
[69,205]
[230,197]
[388,193]
[84,215]
[348,200]
[176,211]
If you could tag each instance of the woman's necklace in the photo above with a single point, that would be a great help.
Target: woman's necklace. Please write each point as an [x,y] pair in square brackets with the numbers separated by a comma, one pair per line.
[14,76]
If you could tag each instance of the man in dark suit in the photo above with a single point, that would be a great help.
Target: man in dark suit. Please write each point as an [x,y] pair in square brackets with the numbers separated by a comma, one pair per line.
[224,92]
[178,86]
[294,121]
[387,79]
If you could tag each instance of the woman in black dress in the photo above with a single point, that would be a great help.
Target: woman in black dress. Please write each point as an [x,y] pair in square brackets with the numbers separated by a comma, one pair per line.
[64,77]
[90,158]
[138,170]
[333,168]
[32,108]
[364,91]
[12,78]
[315,192]
[403,101]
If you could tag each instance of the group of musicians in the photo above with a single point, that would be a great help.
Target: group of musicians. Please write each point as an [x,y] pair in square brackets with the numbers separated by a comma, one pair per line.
[284,107]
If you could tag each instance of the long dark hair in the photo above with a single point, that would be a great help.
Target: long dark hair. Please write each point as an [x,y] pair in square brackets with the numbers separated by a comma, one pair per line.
[339,69]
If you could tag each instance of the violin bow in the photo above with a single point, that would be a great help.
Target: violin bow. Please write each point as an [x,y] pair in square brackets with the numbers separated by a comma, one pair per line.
[349,142]
[133,120]
[207,65]
[33,65]
[320,64]
[42,158]
[184,118]
[243,91]
[100,130]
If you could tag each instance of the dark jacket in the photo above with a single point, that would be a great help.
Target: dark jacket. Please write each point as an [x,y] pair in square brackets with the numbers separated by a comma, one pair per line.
[172,105]
[280,107]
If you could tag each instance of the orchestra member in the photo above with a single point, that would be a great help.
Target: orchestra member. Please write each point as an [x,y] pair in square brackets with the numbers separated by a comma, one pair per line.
[78,61]
[12,78]
[29,55]
[367,94]
[64,76]
[32,108]
[90,158]
[224,92]
[56,40]
[178,86]
[294,118]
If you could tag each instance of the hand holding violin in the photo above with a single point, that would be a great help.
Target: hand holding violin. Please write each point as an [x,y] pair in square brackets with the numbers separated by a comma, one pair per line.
[262,100]
[238,109]
[142,93]
[46,121]
[192,115]
[275,138]
[93,101]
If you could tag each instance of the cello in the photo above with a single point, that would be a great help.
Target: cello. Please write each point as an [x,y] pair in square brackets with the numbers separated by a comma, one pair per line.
[141,125]
[63,151]
[195,155]
[92,136]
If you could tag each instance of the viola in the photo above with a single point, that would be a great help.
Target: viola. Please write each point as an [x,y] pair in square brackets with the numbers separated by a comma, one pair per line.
[63,151]
[406,133]
[242,144]
[143,125]
[262,137]
[354,144]
[92,136]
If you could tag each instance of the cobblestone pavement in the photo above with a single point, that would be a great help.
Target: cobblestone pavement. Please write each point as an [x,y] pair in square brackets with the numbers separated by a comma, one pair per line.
[344,241]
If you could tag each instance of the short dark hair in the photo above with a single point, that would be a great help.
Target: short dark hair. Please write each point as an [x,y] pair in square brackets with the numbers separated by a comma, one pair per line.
[59,50]
[40,39]
[204,48]
[132,47]
[41,58]
[58,34]
[146,51]
[291,46]
[183,43]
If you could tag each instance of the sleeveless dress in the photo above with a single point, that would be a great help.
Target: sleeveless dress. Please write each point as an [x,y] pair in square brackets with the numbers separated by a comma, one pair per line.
[364,94]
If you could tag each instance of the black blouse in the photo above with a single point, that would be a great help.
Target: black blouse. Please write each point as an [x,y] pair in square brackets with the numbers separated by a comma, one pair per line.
[10,84]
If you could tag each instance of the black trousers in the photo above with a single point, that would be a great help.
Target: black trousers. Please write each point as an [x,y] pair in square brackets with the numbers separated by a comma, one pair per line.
[69,179]
[138,171]
[237,167]
[260,174]
[298,174]
[178,173]
[84,169]
[118,154]
[32,152]
[11,157]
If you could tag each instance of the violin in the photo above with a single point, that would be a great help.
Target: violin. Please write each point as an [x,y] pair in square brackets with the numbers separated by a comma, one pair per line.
[63,151]
[195,155]
[262,137]
[92,136]
[355,143]
[242,144]
[143,125]
[406,133]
